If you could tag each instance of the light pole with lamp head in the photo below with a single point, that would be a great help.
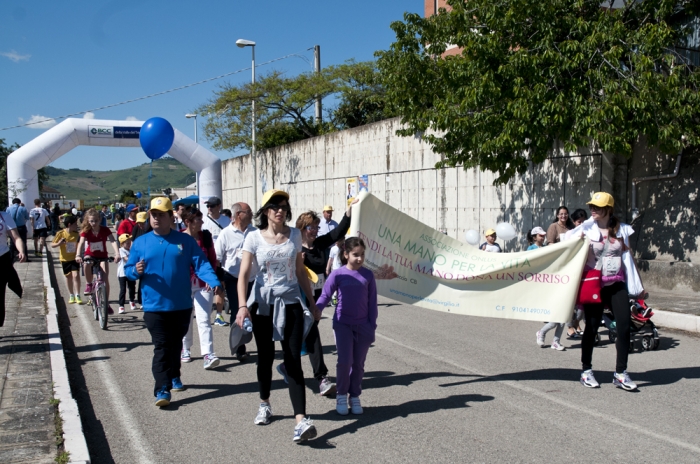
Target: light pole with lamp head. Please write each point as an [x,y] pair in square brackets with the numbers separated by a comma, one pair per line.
[242,43]
[196,174]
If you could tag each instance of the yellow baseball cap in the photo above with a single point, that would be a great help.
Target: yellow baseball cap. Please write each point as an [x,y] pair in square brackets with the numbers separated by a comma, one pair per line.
[142,216]
[328,208]
[489,232]
[272,193]
[124,237]
[162,204]
[602,199]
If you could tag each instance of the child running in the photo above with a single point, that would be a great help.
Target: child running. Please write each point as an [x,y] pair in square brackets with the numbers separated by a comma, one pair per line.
[67,240]
[94,238]
[354,322]
[125,242]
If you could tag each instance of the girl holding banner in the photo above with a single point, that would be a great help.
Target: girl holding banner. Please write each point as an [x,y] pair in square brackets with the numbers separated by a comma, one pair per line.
[609,253]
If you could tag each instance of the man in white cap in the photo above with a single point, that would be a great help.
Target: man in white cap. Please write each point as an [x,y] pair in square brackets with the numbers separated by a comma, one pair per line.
[215,223]
[327,223]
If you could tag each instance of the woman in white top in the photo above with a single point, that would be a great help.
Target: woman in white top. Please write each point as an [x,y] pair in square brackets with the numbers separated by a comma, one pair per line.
[607,237]
[8,275]
[276,307]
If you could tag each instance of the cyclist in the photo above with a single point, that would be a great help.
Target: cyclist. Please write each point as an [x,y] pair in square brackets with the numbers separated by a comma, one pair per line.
[95,237]
[67,239]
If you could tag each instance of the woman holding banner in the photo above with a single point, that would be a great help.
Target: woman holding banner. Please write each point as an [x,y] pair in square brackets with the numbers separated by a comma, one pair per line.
[609,253]
[314,250]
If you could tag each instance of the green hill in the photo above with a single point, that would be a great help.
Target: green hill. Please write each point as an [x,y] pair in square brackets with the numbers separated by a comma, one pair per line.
[81,184]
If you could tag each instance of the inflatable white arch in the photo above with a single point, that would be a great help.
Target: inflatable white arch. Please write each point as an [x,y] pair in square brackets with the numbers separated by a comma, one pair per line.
[22,164]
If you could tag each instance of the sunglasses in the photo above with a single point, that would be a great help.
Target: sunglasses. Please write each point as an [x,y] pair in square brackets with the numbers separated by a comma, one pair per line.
[276,208]
[594,208]
[310,228]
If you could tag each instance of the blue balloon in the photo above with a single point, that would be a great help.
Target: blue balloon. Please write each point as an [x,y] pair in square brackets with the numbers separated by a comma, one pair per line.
[138,195]
[156,137]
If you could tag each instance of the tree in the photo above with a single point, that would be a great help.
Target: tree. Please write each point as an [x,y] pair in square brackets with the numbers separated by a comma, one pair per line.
[4,153]
[284,106]
[531,73]
[127,196]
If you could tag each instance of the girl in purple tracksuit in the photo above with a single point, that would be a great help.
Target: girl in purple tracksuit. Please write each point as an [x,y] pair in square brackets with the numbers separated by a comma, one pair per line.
[354,322]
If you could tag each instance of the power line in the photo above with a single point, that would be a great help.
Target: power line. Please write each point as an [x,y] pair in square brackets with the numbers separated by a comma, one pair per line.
[151,95]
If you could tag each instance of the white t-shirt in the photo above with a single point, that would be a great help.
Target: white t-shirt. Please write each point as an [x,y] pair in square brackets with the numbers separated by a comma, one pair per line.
[335,256]
[276,264]
[39,215]
[215,226]
[6,224]
[124,255]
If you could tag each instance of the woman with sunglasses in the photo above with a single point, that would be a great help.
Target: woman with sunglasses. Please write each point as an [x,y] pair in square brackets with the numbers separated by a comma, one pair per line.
[609,240]
[560,226]
[276,306]
[314,250]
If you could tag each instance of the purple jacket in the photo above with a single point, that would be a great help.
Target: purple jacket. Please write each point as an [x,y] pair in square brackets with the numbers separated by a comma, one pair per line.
[357,296]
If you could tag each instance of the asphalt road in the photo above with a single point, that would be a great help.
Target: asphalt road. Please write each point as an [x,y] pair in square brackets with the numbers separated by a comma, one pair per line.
[438,388]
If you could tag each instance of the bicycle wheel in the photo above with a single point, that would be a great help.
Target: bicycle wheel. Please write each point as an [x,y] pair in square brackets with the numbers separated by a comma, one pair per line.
[93,303]
[102,305]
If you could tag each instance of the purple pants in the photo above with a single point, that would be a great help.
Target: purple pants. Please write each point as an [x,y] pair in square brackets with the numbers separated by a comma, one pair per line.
[353,342]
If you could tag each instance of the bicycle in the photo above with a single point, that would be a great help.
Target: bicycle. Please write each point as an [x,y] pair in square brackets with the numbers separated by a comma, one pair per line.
[98,297]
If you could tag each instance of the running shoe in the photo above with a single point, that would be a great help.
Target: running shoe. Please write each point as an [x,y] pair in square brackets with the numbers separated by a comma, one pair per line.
[242,357]
[220,320]
[588,379]
[623,381]
[185,356]
[304,430]
[132,306]
[264,414]
[71,300]
[88,289]
[110,310]
[78,300]
[573,336]
[341,405]
[355,406]
[540,338]
[283,372]
[177,385]
[163,397]
[122,310]
[210,361]
[326,387]
[557,346]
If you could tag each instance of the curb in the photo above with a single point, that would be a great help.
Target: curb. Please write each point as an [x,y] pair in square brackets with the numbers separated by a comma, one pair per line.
[73,436]
[679,321]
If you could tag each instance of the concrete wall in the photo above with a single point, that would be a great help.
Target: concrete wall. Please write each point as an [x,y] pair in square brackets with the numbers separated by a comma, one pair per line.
[401,172]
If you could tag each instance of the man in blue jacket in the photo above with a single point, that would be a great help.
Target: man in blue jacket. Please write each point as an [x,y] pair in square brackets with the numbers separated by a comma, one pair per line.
[162,259]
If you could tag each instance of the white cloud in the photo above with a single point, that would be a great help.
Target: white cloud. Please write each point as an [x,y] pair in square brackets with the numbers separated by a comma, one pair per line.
[131,118]
[39,122]
[89,115]
[14,56]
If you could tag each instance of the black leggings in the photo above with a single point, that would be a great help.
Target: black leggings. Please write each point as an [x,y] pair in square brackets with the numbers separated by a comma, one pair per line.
[8,277]
[614,297]
[123,283]
[291,347]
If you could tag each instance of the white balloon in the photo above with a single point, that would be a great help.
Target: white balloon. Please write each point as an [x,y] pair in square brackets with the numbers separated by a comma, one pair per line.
[505,231]
[472,237]
[74,211]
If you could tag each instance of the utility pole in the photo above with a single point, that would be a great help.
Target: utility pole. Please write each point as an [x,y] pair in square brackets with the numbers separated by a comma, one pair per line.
[317,68]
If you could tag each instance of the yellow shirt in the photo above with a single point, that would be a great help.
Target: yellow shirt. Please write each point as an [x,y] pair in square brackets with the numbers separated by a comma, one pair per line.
[70,247]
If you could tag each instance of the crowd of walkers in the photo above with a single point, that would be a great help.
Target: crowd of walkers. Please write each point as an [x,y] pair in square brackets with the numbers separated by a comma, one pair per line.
[277,279]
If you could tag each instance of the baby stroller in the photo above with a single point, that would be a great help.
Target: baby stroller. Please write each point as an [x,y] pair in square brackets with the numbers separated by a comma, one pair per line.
[641,325]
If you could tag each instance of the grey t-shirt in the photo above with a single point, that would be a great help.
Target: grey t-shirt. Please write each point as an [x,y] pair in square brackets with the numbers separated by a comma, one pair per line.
[276,264]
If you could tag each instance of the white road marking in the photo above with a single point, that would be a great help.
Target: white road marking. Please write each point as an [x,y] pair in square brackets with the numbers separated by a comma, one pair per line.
[127,422]
[613,420]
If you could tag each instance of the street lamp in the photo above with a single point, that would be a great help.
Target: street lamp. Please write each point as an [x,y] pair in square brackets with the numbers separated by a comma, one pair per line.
[242,43]
[196,174]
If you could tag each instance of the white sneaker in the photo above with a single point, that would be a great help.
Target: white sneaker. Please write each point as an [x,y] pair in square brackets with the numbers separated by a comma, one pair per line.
[122,310]
[132,306]
[264,414]
[341,405]
[355,406]
[540,338]
[185,356]
[304,430]
[623,381]
[557,346]
[211,361]
[588,379]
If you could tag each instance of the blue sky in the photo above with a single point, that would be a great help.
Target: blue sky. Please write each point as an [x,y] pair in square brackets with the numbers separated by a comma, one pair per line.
[58,58]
